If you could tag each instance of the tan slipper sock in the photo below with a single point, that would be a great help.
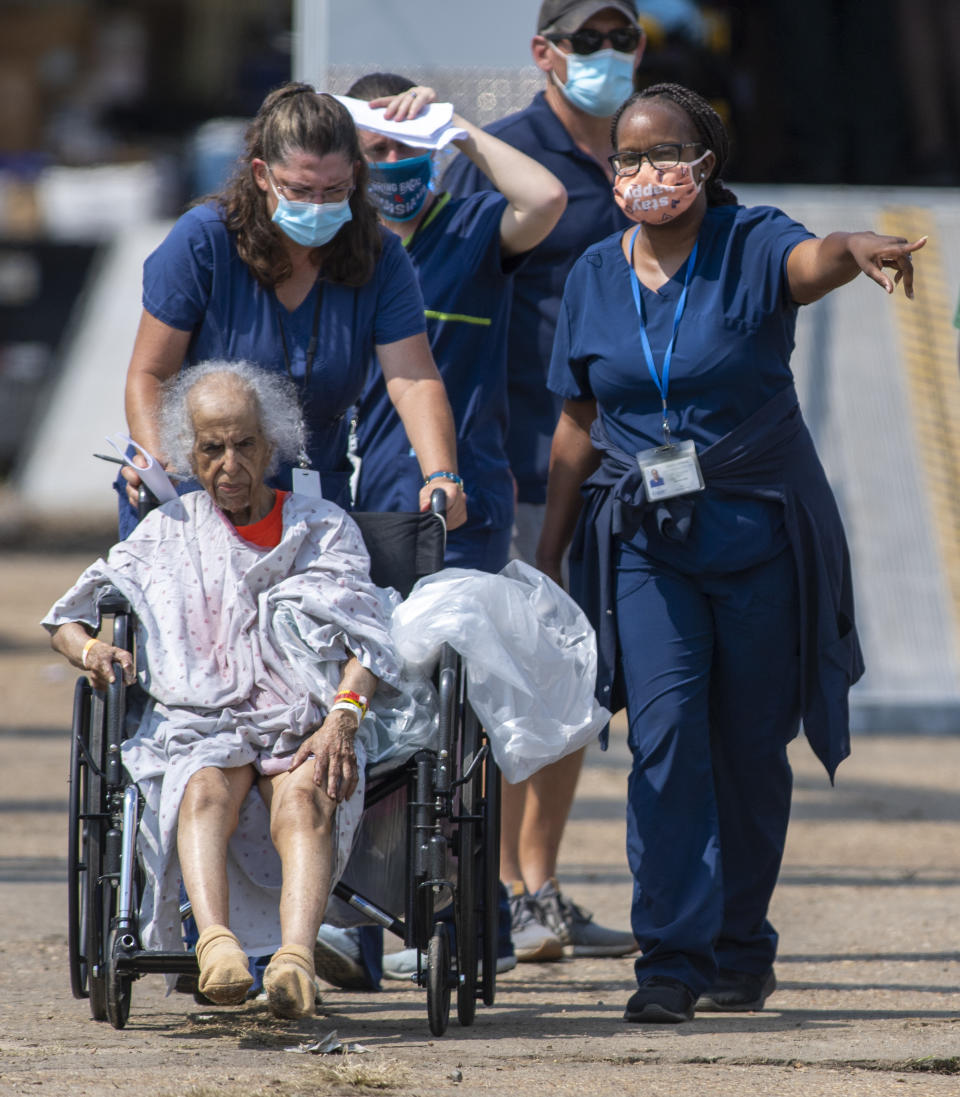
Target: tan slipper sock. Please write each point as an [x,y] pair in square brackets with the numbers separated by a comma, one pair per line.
[290,982]
[224,970]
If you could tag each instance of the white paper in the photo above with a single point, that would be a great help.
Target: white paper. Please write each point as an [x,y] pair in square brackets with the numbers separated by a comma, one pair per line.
[154,475]
[431,129]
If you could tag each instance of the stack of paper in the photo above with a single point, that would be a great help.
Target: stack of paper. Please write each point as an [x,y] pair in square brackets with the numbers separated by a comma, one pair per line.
[154,475]
[432,128]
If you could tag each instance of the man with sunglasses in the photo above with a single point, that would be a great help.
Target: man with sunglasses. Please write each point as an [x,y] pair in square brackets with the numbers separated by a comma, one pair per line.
[588,50]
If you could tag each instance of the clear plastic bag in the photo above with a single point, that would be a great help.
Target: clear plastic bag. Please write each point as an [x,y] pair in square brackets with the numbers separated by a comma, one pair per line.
[531,658]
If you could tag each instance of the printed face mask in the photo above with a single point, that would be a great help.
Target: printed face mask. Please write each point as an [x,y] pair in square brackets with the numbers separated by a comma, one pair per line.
[598,82]
[398,190]
[649,198]
[311,224]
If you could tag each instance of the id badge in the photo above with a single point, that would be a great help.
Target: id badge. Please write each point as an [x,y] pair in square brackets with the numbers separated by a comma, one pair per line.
[307,482]
[670,470]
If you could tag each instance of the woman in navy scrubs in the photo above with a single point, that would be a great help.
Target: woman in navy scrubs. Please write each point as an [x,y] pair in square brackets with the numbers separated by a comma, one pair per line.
[718,579]
[289,269]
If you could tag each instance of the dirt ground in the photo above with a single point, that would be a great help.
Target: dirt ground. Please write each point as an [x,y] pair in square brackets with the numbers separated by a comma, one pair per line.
[869,995]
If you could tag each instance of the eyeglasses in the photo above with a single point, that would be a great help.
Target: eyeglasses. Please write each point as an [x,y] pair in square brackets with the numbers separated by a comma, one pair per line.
[304,194]
[660,157]
[588,40]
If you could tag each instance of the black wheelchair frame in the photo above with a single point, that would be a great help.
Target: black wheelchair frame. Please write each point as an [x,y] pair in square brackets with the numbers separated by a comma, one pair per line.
[453,811]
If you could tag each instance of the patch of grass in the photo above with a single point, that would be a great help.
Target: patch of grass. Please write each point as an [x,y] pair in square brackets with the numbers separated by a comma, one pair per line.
[251,1028]
[929,1064]
[340,1075]
[363,1073]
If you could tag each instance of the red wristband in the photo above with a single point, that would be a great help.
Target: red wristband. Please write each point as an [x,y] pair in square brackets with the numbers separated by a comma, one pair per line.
[350,695]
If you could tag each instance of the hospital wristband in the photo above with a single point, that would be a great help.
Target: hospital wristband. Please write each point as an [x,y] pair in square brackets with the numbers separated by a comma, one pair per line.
[348,695]
[86,650]
[349,706]
[451,476]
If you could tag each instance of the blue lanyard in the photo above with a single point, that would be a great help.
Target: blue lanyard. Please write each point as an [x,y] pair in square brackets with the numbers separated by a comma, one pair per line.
[662,382]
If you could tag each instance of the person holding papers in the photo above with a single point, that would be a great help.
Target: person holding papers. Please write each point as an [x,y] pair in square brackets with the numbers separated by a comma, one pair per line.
[464,251]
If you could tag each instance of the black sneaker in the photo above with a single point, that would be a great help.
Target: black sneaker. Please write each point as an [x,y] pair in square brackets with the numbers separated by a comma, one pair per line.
[737,992]
[660,1000]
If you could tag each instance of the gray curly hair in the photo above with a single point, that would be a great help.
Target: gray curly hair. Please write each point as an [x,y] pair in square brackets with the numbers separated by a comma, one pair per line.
[277,404]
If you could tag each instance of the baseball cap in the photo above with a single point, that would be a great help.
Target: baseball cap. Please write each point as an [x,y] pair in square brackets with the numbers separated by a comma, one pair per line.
[564,16]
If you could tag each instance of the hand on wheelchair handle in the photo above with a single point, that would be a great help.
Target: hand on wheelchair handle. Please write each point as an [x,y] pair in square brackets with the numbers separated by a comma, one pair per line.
[335,761]
[133,480]
[456,501]
[101,659]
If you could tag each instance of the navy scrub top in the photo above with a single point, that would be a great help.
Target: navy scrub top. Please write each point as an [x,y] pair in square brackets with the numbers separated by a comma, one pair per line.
[195,281]
[466,289]
[590,215]
[731,356]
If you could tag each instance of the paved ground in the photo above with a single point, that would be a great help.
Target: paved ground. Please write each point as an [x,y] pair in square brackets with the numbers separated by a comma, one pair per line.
[869,998]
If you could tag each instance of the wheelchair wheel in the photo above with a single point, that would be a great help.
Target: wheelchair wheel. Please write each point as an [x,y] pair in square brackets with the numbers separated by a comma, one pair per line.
[97,892]
[438,980]
[468,869]
[118,984]
[76,869]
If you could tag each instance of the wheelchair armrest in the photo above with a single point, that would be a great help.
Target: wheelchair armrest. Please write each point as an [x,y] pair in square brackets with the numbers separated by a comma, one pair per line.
[111,602]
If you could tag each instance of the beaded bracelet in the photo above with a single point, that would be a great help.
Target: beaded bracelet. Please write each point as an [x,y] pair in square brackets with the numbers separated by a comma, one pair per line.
[451,476]
[86,650]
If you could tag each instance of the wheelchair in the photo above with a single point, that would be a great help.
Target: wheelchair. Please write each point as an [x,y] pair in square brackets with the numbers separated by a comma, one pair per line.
[451,793]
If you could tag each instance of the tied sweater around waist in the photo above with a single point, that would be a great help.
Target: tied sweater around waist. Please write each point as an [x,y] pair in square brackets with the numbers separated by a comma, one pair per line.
[769,456]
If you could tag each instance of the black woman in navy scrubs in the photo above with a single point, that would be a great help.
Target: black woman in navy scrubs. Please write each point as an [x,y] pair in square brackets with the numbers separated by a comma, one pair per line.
[708,548]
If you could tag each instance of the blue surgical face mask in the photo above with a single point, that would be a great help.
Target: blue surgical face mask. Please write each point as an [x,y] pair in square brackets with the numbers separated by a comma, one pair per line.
[598,82]
[398,190]
[311,224]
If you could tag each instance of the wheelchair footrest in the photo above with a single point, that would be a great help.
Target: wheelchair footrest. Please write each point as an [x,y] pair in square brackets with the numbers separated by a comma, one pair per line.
[157,963]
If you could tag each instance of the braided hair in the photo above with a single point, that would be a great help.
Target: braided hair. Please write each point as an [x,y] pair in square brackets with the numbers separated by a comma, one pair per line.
[708,124]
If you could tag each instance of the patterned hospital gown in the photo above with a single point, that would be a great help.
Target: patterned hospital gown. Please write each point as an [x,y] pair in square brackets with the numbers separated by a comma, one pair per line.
[240,650]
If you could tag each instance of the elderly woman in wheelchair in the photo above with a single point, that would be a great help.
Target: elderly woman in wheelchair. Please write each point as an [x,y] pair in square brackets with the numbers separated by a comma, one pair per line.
[261,639]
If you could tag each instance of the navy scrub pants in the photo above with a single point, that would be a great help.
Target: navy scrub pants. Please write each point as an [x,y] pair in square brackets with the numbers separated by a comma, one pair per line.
[712,671]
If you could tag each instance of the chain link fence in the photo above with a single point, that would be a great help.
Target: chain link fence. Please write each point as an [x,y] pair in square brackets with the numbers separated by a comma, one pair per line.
[480,94]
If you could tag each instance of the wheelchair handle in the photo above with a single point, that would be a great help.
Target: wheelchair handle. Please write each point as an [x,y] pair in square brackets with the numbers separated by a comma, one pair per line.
[438,502]
[146,501]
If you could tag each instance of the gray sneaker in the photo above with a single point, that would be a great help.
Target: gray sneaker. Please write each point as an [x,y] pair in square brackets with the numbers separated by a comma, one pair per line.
[575,927]
[533,940]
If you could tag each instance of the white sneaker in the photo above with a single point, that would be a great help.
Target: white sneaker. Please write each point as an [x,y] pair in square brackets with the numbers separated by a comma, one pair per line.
[403,964]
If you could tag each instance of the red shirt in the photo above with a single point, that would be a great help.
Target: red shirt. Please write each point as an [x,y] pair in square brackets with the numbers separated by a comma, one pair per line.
[267,532]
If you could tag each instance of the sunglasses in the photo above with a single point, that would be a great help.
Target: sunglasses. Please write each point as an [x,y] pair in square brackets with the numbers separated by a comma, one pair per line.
[622,39]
